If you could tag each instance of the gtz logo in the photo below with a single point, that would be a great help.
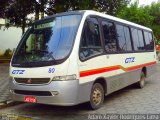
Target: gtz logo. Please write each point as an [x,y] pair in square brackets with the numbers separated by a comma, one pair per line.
[129,60]
[18,71]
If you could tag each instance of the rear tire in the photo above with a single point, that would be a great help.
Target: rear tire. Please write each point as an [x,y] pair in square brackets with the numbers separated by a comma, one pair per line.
[141,82]
[96,96]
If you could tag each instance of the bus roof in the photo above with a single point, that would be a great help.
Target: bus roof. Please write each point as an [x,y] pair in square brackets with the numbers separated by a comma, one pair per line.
[91,12]
[116,19]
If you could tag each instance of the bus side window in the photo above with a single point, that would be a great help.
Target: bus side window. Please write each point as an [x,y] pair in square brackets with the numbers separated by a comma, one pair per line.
[149,40]
[141,41]
[137,39]
[109,36]
[90,42]
[124,39]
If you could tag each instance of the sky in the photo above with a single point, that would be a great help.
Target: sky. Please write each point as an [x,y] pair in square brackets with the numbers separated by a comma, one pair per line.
[145,2]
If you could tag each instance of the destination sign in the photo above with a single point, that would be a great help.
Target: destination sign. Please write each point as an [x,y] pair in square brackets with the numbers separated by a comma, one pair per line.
[44,25]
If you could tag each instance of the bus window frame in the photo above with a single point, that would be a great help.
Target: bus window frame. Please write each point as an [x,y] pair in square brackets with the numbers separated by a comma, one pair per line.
[100,19]
[145,40]
[101,41]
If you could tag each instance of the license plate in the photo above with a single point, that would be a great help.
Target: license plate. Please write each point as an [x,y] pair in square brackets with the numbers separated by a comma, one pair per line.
[30,99]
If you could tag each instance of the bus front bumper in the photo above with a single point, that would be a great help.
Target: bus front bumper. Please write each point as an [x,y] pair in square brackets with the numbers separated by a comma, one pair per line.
[63,93]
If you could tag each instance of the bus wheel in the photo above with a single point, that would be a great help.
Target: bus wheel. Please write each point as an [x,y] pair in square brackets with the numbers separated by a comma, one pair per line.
[97,96]
[141,82]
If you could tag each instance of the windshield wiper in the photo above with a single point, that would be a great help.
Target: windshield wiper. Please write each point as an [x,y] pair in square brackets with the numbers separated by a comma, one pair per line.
[50,55]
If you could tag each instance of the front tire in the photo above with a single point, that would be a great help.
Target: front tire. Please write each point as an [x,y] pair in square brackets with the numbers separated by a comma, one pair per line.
[96,96]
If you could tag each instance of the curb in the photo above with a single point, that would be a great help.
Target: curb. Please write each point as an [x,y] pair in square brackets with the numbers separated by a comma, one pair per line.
[8,103]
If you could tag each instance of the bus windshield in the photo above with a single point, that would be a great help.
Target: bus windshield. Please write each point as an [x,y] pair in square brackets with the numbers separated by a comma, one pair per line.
[47,41]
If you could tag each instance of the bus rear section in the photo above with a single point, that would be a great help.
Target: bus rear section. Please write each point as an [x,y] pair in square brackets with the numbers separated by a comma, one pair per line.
[113,54]
[78,57]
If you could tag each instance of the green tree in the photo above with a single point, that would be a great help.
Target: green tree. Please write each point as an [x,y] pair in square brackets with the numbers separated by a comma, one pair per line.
[148,16]
[18,11]
[111,7]
[107,6]
[41,7]
[139,15]
[155,11]
[56,6]
[8,53]
[3,5]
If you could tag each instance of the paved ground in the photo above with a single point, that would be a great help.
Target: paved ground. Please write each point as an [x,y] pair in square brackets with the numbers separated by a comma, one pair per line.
[128,100]
[4,77]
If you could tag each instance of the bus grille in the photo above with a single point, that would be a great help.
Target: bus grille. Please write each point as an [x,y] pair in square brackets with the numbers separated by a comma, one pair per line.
[36,93]
[32,80]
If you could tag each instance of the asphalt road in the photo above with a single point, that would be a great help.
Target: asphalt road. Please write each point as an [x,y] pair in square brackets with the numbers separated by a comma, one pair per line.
[129,100]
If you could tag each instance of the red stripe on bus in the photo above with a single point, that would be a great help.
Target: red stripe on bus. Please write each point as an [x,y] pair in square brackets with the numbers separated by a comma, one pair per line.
[97,71]
[112,68]
[140,66]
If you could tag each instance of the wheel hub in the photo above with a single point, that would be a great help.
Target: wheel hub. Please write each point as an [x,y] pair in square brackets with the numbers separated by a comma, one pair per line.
[97,95]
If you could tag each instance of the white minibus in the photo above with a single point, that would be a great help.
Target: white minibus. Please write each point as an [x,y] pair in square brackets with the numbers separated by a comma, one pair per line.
[80,56]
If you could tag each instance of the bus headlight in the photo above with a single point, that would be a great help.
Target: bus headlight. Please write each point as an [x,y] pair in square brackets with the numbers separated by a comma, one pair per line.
[66,77]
